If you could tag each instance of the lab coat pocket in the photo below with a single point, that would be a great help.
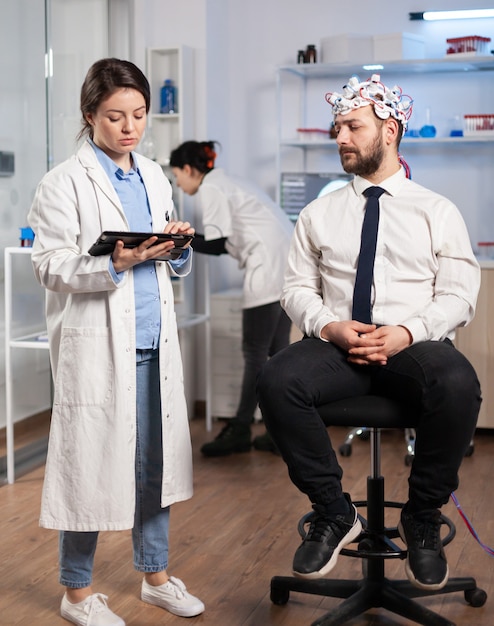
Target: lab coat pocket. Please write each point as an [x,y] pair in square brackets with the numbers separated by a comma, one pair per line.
[85,371]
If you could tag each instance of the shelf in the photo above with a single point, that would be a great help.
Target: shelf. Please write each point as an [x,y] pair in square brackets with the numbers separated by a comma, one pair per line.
[413,66]
[34,341]
[187,321]
[331,143]
[165,117]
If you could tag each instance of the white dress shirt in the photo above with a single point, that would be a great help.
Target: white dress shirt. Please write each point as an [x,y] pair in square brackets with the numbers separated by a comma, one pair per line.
[426,277]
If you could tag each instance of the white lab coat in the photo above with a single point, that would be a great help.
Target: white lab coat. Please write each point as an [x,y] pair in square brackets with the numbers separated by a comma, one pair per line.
[89,480]
[258,233]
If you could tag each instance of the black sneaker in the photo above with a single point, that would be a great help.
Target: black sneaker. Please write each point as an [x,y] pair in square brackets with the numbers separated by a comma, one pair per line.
[426,565]
[234,437]
[264,443]
[318,552]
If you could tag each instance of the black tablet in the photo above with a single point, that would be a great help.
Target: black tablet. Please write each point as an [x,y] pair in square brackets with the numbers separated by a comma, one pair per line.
[108,238]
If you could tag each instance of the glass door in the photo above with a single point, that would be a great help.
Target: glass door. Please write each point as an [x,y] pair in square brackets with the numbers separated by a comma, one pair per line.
[46,48]
[77,35]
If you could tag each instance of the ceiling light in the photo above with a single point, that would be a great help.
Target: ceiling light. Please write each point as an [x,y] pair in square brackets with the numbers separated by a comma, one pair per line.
[452,15]
[373,67]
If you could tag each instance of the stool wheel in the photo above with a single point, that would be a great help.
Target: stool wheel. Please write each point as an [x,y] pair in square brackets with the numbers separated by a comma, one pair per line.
[408,459]
[345,449]
[470,449]
[280,595]
[475,597]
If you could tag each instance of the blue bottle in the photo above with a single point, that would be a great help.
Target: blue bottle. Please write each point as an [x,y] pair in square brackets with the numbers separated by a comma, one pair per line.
[168,97]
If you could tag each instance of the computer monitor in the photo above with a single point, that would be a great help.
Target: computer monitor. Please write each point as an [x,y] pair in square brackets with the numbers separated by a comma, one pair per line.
[300,188]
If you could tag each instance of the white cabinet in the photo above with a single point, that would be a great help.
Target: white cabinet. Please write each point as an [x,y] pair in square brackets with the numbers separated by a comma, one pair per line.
[227,363]
[476,342]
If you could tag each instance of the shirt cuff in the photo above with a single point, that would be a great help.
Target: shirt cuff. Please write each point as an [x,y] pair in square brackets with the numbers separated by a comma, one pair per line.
[116,276]
[182,260]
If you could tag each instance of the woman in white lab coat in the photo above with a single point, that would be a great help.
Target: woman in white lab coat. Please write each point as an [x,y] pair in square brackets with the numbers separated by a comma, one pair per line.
[244,222]
[119,452]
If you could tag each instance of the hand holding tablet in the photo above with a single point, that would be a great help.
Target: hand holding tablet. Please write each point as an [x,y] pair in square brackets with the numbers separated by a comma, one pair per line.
[105,243]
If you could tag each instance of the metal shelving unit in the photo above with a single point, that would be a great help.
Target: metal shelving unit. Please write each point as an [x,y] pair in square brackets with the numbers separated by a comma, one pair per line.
[298,88]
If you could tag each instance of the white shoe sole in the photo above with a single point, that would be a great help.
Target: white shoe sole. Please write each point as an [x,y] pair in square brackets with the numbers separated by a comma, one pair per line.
[180,611]
[410,574]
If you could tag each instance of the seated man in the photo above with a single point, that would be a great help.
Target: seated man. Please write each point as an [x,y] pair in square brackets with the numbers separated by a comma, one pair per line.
[425,283]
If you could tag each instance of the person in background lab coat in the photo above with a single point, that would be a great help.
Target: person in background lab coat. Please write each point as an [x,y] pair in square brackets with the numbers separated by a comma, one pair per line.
[119,452]
[244,222]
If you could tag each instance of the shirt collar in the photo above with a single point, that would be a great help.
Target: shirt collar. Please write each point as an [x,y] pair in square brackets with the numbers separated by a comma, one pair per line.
[110,167]
[391,185]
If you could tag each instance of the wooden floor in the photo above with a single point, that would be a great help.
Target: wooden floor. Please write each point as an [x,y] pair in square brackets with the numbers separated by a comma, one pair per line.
[238,531]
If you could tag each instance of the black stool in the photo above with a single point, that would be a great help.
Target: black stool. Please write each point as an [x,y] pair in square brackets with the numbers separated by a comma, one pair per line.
[375,543]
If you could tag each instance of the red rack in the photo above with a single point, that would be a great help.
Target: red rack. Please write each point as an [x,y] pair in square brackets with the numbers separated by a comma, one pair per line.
[473,45]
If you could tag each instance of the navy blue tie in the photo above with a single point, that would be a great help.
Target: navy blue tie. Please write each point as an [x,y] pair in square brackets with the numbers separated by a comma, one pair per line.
[361,310]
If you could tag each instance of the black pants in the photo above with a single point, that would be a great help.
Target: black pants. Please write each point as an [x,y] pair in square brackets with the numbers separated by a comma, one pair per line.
[431,376]
[265,331]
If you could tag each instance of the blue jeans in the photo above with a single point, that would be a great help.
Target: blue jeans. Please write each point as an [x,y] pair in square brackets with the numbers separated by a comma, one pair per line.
[151,522]
[432,377]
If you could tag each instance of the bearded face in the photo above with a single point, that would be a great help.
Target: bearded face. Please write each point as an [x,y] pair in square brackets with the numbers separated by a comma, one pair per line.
[363,160]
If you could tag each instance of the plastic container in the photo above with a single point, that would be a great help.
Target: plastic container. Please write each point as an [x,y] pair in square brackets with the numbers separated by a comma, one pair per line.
[347,48]
[168,102]
[26,237]
[468,46]
[456,127]
[398,46]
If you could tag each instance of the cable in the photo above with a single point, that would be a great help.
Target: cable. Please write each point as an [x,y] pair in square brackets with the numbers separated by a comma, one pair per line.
[472,530]
[406,167]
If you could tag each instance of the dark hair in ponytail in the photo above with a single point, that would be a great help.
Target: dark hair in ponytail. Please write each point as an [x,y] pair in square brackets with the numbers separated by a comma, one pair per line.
[198,154]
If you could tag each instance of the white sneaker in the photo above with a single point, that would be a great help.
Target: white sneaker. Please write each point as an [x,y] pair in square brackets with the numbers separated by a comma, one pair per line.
[93,611]
[172,596]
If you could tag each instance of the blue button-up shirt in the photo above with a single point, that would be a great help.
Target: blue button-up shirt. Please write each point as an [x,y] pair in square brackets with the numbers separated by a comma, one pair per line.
[132,193]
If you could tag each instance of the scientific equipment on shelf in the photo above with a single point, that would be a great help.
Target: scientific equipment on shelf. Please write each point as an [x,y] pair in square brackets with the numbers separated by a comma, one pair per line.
[485,250]
[468,46]
[26,237]
[478,124]
[168,97]
[309,55]
[428,129]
